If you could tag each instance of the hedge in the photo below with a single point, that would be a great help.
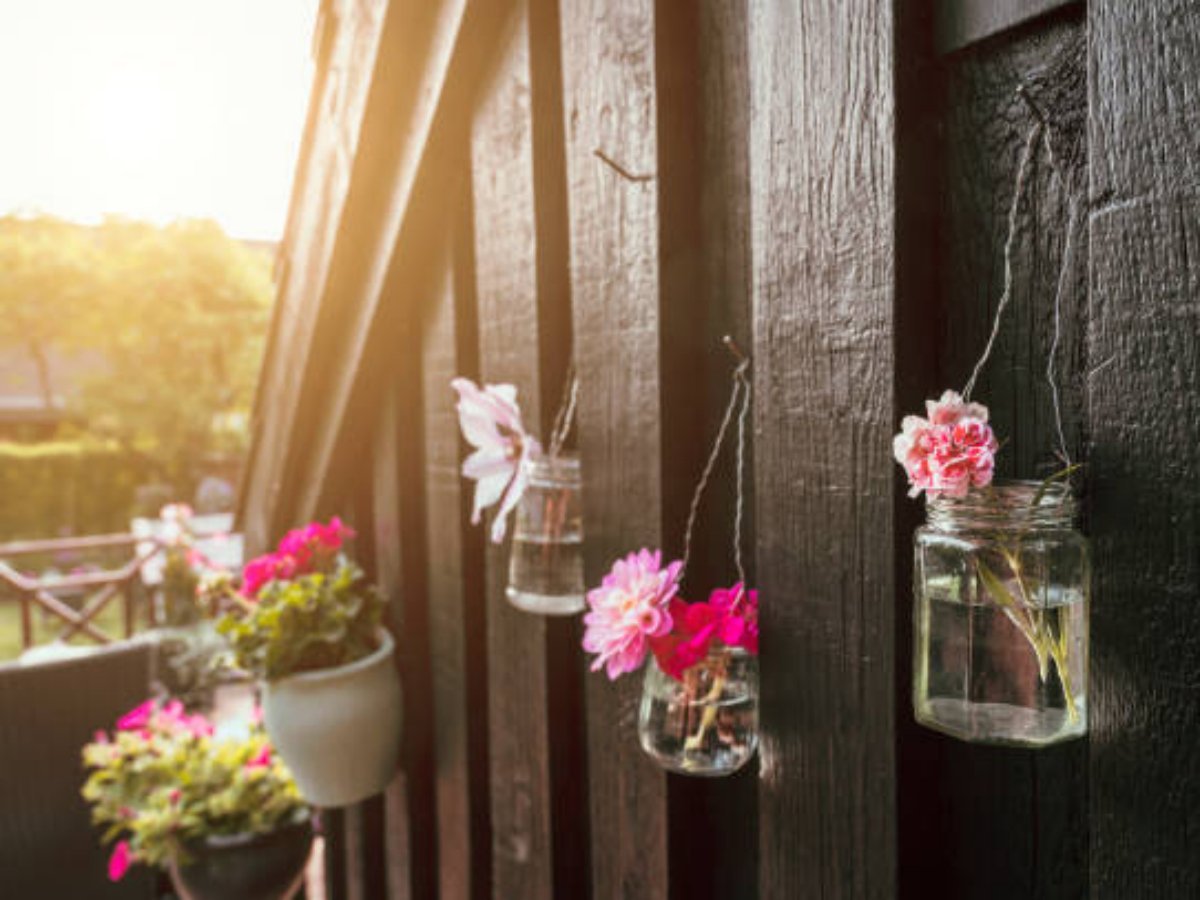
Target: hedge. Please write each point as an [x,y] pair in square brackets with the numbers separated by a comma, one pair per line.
[63,488]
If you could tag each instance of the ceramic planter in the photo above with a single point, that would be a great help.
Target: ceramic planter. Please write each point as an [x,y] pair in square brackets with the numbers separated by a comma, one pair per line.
[338,729]
[244,866]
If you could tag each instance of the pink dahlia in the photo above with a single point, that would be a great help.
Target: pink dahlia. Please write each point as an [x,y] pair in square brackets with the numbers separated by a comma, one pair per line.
[491,423]
[951,451]
[628,609]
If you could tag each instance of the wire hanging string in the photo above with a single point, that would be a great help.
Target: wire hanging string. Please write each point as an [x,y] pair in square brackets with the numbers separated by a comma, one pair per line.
[1018,191]
[741,390]
[740,375]
[1064,274]
[565,416]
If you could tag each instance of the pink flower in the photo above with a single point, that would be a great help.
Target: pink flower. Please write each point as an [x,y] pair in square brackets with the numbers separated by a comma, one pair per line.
[137,718]
[301,551]
[730,616]
[120,861]
[491,423]
[951,451]
[628,609]
[260,760]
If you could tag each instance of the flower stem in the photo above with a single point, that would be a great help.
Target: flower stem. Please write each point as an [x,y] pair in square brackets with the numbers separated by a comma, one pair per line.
[709,716]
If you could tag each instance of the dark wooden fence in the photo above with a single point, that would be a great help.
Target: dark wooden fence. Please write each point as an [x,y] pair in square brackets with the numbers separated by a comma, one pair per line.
[487,188]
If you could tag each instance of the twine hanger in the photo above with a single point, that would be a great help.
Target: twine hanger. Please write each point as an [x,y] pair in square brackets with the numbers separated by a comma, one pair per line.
[1039,136]
[739,401]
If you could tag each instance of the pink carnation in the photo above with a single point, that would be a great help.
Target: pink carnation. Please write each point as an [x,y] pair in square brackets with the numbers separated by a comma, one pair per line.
[628,609]
[951,451]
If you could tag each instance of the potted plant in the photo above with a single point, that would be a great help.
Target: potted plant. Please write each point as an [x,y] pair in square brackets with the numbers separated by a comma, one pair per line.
[222,815]
[307,624]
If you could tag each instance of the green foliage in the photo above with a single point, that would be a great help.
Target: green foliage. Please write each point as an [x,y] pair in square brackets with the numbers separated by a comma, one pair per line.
[49,274]
[181,323]
[177,314]
[83,487]
[166,780]
[315,621]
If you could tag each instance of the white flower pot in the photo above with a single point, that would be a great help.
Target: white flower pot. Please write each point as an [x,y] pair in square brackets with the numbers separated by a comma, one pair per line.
[338,730]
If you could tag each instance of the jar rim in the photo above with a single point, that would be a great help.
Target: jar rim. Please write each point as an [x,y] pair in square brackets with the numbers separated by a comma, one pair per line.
[558,470]
[1006,501]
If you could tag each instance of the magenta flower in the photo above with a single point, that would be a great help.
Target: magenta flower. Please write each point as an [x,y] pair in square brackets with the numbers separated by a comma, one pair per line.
[260,760]
[137,718]
[120,861]
[628,609]
[491,423]
[302,551]
[951,451]
[729,617]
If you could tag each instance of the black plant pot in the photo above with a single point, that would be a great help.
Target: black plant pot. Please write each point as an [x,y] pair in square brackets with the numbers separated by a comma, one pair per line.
[245,866]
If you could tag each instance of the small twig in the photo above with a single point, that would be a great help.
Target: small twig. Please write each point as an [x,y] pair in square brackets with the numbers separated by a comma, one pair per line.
[620,169]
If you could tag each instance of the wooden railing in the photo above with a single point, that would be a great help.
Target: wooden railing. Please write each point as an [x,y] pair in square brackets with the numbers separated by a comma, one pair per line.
[98,588]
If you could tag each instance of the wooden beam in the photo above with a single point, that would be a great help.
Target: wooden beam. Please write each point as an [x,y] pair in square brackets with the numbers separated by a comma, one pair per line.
[960,23]
[1142,486]
[506,254]
[822,175]
[611,110]
[430,61]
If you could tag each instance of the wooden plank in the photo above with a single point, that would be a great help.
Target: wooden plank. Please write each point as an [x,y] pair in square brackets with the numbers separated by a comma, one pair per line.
[454,569]
[705,81]
[1143,349]
[963,22]
[610,106]
[400,569]
[507,292]
[822,174]
[980,822]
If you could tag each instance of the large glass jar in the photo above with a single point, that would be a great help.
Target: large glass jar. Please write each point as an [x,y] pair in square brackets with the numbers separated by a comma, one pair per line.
[545,571]
[706,722]
[1002,583]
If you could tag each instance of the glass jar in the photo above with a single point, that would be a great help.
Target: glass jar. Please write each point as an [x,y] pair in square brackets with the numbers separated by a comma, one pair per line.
[1002,584]
[705,723]
[545,570]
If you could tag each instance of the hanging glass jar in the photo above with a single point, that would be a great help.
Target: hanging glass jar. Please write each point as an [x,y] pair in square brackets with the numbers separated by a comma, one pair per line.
[706,721]
[545,573]
[1002,584]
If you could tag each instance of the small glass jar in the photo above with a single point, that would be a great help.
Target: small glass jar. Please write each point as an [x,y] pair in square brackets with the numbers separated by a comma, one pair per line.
[1002,584]
[545,570]
[705,723]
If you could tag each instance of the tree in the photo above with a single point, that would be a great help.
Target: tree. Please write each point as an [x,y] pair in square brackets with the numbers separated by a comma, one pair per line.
[48,272]
[180,320]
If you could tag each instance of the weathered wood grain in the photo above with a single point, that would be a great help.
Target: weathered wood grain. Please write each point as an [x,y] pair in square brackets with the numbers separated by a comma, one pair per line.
[506,250]
[981,822]
[454,571]
[822,174]
[610,105]
[398,514]
[1144,415]
[964,22]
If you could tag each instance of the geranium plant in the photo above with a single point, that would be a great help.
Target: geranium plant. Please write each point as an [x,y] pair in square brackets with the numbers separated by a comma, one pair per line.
[161,780]
[304,607]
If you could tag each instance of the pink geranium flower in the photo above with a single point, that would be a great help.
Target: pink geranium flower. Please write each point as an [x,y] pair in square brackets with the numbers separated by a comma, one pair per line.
[302,551]
[491,423]
[261,759]
[949,452]
[120,861]
[729,616]
[628,609]
[137,718]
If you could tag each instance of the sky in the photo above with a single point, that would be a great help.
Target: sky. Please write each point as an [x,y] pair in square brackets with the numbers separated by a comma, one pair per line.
[154,109]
